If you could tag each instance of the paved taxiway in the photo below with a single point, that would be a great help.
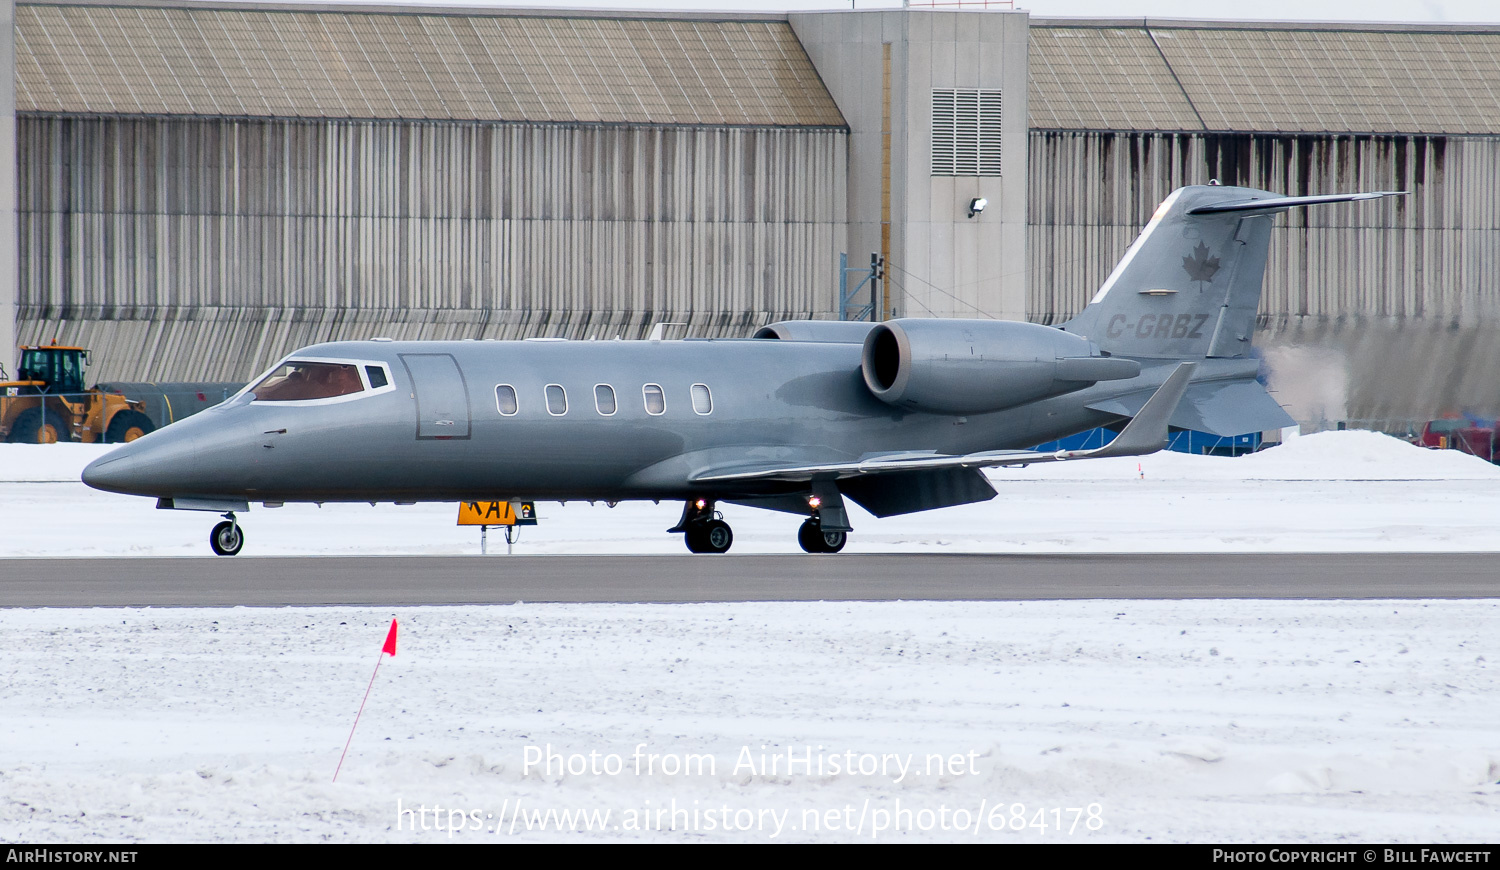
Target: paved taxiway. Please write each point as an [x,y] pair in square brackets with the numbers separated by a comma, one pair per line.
[416,580]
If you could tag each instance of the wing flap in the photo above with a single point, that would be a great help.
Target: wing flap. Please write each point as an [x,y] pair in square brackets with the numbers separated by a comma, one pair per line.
[889,495]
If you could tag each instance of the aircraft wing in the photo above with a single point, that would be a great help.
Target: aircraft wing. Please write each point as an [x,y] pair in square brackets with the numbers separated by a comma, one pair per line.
[1145,433]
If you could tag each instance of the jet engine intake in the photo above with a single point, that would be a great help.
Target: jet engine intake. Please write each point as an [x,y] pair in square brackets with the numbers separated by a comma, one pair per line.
[978,366]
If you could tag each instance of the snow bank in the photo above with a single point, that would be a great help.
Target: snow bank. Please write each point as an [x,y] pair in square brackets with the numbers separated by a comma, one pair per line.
[45,463]
[1245,721]
[1348,455]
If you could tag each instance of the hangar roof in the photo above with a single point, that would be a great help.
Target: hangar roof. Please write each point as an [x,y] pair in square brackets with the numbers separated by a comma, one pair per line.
[186,58]
[183,57]
[1150,74]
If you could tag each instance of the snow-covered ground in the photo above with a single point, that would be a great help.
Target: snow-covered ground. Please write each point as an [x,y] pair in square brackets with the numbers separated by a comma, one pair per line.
[1330,492]
[1246,721]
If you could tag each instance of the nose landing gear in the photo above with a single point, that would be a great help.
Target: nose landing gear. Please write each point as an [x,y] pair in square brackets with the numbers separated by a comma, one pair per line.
[227,538]
[703,529]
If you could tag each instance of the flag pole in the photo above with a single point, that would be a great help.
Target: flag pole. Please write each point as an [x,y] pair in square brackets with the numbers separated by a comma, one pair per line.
[390,647]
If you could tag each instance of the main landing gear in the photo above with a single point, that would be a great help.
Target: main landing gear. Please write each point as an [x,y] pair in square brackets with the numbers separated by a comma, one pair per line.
[227,538]
[827,530]
[814,539]
[703,528]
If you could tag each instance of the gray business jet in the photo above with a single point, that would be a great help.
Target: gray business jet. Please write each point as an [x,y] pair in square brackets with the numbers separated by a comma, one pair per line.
[898,417]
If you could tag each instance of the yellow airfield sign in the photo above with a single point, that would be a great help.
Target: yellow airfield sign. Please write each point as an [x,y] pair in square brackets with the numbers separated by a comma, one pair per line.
[486,513]
[496,513]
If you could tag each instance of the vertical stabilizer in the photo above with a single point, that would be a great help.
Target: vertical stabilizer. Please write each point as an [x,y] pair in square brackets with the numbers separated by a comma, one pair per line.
[1189,286]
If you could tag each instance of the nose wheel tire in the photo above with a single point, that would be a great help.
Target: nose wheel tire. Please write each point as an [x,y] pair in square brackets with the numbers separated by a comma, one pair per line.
[814,540]
[712,536]
[227,538]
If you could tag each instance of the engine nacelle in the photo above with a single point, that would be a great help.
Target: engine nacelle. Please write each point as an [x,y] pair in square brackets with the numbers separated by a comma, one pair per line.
[838,331]
[977,366]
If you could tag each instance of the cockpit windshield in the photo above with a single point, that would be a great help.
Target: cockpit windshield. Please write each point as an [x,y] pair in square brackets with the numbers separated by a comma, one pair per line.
[295,380]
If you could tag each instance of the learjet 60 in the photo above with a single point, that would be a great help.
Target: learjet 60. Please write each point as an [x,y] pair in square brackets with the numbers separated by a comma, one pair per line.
[898,416]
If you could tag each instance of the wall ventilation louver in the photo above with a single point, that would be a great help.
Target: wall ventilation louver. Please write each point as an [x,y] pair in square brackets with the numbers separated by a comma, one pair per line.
[965,131]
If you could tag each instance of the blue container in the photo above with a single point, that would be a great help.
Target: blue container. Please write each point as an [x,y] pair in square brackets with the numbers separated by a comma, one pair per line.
[1180,440]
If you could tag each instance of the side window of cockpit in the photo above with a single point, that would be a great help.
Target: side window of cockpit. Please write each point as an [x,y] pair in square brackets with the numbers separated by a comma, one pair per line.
[557,400]
[656,400]
[296,381]
[505,400]
[377,377]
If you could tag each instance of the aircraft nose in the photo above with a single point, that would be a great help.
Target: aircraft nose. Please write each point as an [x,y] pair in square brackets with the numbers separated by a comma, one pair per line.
[148,466]
[116,473]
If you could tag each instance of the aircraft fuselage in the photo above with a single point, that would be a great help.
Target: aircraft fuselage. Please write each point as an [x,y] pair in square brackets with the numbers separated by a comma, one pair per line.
[436,431]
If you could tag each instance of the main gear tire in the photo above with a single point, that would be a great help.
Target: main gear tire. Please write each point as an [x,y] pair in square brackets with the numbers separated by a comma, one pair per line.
[713,536]
[813,539]
[717,537]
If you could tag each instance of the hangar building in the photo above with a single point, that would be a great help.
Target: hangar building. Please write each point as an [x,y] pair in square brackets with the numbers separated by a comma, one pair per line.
[205,186]
[202,187]
[1385,313]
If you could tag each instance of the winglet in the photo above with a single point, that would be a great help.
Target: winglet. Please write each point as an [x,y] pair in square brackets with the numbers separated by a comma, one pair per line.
[1147,431]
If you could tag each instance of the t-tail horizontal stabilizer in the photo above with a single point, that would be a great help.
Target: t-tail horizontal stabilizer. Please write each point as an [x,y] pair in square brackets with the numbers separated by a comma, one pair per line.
[1277,203]
[1146,433]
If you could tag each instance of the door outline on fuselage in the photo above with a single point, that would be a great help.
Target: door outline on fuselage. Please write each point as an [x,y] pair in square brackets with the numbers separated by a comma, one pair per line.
[438,386]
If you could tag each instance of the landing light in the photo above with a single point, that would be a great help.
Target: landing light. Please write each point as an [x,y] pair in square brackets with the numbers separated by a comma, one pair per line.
[700,504]
[814,502]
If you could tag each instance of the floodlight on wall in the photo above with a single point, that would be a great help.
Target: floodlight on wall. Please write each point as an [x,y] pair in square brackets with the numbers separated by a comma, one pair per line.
[977,205]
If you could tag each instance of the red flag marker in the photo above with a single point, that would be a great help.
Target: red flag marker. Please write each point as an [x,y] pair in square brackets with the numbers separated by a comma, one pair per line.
[389,648]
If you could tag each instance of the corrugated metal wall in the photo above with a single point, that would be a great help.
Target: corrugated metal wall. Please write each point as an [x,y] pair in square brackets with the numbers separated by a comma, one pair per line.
[1430,254]
[206,248]
[1382,283]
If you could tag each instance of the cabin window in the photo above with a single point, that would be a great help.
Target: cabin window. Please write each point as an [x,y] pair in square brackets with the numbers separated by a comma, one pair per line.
[295,381]
[506,401]
[557,400]
[377,377]
[703,400]
[656,400]
[604,399]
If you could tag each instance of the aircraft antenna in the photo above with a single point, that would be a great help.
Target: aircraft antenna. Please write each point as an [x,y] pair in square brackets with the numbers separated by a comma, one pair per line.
[660,329]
